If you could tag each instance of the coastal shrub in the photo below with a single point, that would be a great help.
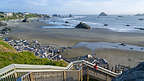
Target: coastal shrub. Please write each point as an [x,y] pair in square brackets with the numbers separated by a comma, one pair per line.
[5,45]
[18,16]
[26,57]
[7,58]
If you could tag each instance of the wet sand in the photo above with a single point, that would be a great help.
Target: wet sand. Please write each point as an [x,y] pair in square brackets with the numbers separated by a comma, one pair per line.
[70,37]
[115,57]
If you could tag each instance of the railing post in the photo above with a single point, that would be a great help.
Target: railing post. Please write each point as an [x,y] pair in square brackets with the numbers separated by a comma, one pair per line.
[64,76]
[106,77]
[15,75]
[31,77]
[87,74]
[82,72]
[79,75]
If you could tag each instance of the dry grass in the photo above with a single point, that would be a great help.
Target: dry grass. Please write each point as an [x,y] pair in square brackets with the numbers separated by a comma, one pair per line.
[5,47]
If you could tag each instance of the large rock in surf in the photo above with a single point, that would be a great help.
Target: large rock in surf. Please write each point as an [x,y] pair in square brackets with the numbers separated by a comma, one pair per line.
[134,74]
[139,15]
[83,26]
[103,14]
[3,24]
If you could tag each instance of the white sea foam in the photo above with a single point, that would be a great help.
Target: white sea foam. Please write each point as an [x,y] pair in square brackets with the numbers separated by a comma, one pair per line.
[114,23]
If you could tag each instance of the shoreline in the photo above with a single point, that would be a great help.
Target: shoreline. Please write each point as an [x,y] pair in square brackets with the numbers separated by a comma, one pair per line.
[70,37]
[33,30]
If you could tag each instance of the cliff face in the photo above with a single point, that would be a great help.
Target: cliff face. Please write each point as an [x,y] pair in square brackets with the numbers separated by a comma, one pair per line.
[134,74]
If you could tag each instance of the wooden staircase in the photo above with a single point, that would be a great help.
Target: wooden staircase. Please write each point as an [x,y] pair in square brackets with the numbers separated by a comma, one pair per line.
[22,72]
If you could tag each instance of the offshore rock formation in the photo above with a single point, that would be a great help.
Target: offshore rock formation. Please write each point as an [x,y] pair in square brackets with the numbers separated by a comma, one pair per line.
[134,74]
[83,26]
[103,14]
[139,15]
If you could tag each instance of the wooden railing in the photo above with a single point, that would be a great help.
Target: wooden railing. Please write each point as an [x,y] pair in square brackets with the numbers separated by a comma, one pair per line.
[16,71]
[69,75]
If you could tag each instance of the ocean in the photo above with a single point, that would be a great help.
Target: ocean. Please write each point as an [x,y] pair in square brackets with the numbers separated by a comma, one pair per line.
[124,23]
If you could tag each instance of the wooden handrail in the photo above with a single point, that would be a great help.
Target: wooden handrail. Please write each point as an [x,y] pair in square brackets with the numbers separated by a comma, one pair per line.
[31,68]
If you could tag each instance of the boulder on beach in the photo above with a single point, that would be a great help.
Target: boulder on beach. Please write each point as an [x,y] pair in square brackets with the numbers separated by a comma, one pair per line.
[83,26]
[103,14]
[122,44]
[134,74]
[120,16]
[127,25]
[141,19]
[105,24]
[3,24]
[25,20]
[66,22]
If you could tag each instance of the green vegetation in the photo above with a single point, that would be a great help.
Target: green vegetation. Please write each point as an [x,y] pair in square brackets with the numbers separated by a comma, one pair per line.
[5,47]
[32,15]
[4,44]
[11,17]
[8,56]
[17,16]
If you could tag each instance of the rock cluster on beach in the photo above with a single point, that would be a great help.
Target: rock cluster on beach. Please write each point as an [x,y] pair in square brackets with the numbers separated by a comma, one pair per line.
[25,20]
[134,74]
[4,31]
[103,14]
[83,26]
[100,62]
[50,51]
[3,24]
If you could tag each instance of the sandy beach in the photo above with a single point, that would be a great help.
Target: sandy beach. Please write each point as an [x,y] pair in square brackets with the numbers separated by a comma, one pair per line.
[70,37]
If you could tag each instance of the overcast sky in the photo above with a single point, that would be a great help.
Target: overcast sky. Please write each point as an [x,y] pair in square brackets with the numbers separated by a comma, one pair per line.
[74,6]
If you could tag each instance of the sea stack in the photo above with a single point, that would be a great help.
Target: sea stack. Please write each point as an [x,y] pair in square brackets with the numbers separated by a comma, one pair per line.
[83,26]
[103,14]
[139,15]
